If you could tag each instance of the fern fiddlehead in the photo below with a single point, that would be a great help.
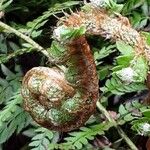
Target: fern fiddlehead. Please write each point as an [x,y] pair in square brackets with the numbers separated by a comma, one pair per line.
[54,102]
[63,101]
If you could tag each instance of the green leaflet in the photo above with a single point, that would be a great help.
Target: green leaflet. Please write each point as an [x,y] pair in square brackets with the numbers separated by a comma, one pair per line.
[57,50]
[72,33]
[4,4]
[140,66]
[126,56]
[116,86]
[104,52]
[12,118]
[103,72]
[42,139]
[124,48]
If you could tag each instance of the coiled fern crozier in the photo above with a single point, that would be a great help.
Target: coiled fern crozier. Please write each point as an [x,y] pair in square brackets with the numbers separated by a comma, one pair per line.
[57,103]
[64,99]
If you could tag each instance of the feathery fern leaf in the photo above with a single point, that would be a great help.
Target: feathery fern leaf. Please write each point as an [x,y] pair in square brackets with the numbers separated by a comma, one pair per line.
[12,118]
[34,26]
[42,139]
[116,86]
[10,84]
[104,52]
[77,140]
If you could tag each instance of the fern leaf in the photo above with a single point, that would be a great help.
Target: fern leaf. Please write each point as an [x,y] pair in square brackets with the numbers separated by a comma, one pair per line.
[116,86]
[104,52]
[12,118]
[40,21]
[42,139]
[10,84]
[77,140]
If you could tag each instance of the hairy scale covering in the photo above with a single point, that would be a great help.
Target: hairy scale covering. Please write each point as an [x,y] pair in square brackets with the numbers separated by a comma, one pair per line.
[56,103]
[64,101]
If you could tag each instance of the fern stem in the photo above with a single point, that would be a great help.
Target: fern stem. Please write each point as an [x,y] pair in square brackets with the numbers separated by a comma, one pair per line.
[120,131]
[27,39]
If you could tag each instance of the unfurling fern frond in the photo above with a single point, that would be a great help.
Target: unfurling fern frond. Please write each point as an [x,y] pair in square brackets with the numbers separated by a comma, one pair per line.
[50,97]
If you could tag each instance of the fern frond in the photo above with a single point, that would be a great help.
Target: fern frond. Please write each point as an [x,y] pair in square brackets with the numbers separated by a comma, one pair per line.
[10,84]
[116,86]
[104,52]
[42,139]
[12,118]
[41,20]
[138,116]
[77,140]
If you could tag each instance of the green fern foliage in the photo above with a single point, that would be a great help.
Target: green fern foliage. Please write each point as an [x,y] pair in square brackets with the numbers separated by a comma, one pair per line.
[130,111]
[12,118]
[114,63]
[42,139]
[116,86]
[10,84]
[104,52]
[138,115]
[77,140]
[34,27]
